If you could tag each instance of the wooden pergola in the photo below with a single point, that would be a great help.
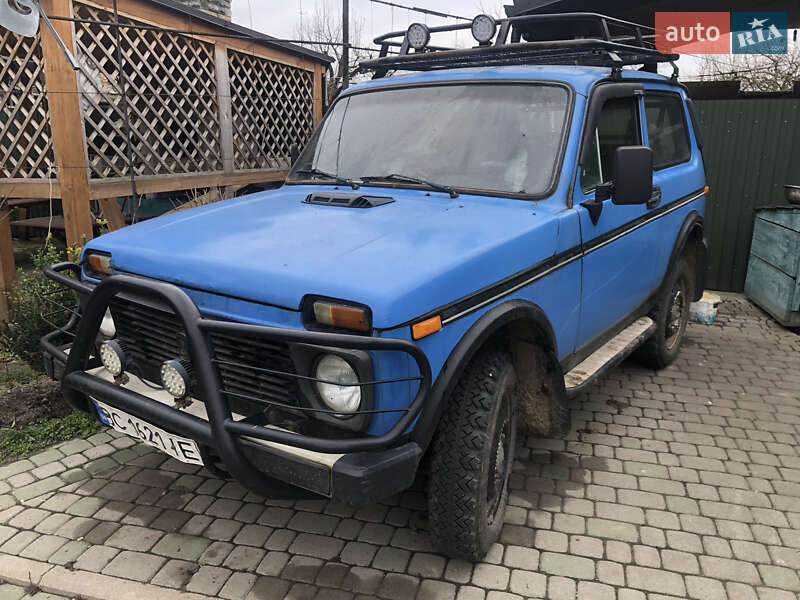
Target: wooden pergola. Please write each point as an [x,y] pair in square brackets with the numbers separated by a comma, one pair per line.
[206,104]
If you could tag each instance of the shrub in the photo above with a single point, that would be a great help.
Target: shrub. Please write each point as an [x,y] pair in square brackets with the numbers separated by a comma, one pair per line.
[29,307]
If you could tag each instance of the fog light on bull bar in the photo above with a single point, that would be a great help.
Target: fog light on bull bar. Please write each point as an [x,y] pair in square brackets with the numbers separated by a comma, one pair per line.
[112,355]
[175,377]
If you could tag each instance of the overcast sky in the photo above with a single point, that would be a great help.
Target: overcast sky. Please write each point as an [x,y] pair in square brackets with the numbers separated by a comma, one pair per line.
[281,18]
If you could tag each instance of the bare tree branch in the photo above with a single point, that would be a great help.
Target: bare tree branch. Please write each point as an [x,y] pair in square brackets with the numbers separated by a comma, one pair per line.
[325,26]
[757,72]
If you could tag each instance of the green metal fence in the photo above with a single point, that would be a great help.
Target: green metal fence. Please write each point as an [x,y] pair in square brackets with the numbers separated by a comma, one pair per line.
[752,149]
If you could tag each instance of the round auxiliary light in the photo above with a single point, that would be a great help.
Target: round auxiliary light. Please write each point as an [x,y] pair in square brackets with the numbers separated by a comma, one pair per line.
[418,36]
[175,378]
[483,28]
[113,357]
[342,394]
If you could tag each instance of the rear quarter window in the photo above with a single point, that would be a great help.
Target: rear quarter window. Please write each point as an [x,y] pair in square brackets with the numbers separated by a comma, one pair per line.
[667,129]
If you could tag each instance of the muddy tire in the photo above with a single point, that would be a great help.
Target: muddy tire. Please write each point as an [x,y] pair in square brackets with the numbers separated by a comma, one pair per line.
[472,457]
[671,316]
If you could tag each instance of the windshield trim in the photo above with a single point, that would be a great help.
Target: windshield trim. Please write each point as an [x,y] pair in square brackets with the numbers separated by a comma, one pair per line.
[558,166]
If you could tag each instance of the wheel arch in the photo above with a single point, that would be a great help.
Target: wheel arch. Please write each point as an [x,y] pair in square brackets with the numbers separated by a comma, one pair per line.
[692,244]
[493,325]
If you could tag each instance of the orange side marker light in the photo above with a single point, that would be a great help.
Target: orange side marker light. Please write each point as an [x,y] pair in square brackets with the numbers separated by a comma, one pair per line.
[426,328]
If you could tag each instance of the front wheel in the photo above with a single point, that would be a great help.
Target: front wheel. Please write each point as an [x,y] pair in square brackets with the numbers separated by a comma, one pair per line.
[671,315]
[472,457]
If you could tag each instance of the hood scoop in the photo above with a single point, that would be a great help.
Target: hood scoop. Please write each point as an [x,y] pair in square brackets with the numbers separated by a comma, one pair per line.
[348,200]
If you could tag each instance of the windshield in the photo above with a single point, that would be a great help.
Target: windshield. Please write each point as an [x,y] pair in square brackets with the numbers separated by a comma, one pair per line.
[501,137]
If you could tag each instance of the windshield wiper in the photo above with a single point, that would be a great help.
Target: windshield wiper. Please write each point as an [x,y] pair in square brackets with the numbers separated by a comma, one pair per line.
[314,172]
[397,177]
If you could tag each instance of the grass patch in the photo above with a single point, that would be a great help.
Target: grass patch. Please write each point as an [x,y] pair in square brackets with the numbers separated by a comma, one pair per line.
[20,374]
[31,438]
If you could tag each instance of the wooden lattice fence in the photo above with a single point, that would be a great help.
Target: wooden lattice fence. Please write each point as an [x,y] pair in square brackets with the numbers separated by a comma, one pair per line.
[206,104]
[26,143]
[172,99]
[273,107]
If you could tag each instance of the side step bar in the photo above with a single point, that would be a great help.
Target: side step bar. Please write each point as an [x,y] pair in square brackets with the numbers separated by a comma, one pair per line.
[609,355]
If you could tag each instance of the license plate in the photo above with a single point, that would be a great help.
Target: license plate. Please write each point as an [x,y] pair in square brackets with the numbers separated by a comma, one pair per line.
[183,449]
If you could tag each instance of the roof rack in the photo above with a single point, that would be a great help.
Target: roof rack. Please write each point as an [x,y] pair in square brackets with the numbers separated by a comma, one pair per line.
[589,39]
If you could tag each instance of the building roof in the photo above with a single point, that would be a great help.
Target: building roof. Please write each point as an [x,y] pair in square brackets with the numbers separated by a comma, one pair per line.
[244,31]
[643,11]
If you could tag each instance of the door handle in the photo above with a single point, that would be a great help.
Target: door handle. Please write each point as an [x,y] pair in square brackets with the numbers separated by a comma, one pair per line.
[655,197]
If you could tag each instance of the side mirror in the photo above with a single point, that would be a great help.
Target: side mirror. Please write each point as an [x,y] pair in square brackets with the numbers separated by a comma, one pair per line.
[294,154]
[633,175]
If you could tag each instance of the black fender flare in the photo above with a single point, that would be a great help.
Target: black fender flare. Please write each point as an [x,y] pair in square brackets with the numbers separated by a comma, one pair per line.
[465,350]
[693,222]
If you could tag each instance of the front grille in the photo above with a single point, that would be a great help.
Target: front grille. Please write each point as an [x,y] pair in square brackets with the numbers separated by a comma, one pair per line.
[153,335]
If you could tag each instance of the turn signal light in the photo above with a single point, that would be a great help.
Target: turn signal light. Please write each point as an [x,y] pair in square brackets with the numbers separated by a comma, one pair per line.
[344,317]
[426,328]
[99,263]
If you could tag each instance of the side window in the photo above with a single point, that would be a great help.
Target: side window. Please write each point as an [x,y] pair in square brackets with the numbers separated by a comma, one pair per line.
[619,125]
[667,130]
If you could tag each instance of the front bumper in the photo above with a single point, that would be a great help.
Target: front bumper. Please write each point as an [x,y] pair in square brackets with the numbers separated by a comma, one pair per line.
[355,470]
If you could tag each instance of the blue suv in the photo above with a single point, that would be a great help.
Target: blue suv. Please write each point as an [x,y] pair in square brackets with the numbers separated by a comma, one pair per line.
[457,251]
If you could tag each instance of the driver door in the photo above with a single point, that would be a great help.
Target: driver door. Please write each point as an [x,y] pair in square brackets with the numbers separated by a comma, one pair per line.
[618,273]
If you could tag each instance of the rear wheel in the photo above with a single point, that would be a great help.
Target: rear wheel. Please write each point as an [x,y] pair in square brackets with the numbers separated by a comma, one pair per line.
[671,315]
[472,457]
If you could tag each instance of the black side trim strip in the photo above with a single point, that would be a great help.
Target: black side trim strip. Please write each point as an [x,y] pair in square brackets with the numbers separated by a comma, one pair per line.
[496,291]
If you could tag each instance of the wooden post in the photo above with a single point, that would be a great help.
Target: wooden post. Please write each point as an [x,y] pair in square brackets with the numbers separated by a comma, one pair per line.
[225,108]
[7,268]
[319,93]
[112,213]
[66,124]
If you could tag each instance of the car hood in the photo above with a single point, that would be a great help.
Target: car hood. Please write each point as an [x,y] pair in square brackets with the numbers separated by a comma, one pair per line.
[401,259]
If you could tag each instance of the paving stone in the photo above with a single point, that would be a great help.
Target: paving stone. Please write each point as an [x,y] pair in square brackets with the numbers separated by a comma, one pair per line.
[237,586]
[466,592]
[183,547]
[436,590]
[273,563]
[43,547]
[302,568]
[244,558]
[527,583]
[132,537]
[134,565]
[398,587]
[780,577]
[595,591]
[703,588]
[614,530]
[566,565]
[655,580]
[95,558]
[391,559]
[561,588]
[358,553]
[208,580]
[253,535]
[68,553]
[729,570]
[175,574]
[38,488]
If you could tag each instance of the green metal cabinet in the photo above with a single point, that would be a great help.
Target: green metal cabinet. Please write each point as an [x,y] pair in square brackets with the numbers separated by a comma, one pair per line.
[773,272]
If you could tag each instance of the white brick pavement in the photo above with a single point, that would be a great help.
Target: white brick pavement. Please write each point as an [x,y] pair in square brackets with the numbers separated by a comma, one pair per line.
[683,483]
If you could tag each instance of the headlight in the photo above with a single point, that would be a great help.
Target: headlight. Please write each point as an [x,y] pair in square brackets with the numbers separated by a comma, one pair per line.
[483,28]
[344,398]
[418,36]
[175,378]
[113,357]
[98,264]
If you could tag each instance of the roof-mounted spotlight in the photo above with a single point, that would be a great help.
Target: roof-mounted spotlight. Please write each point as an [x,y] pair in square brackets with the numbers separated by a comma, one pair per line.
[418,36]
[483,28]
